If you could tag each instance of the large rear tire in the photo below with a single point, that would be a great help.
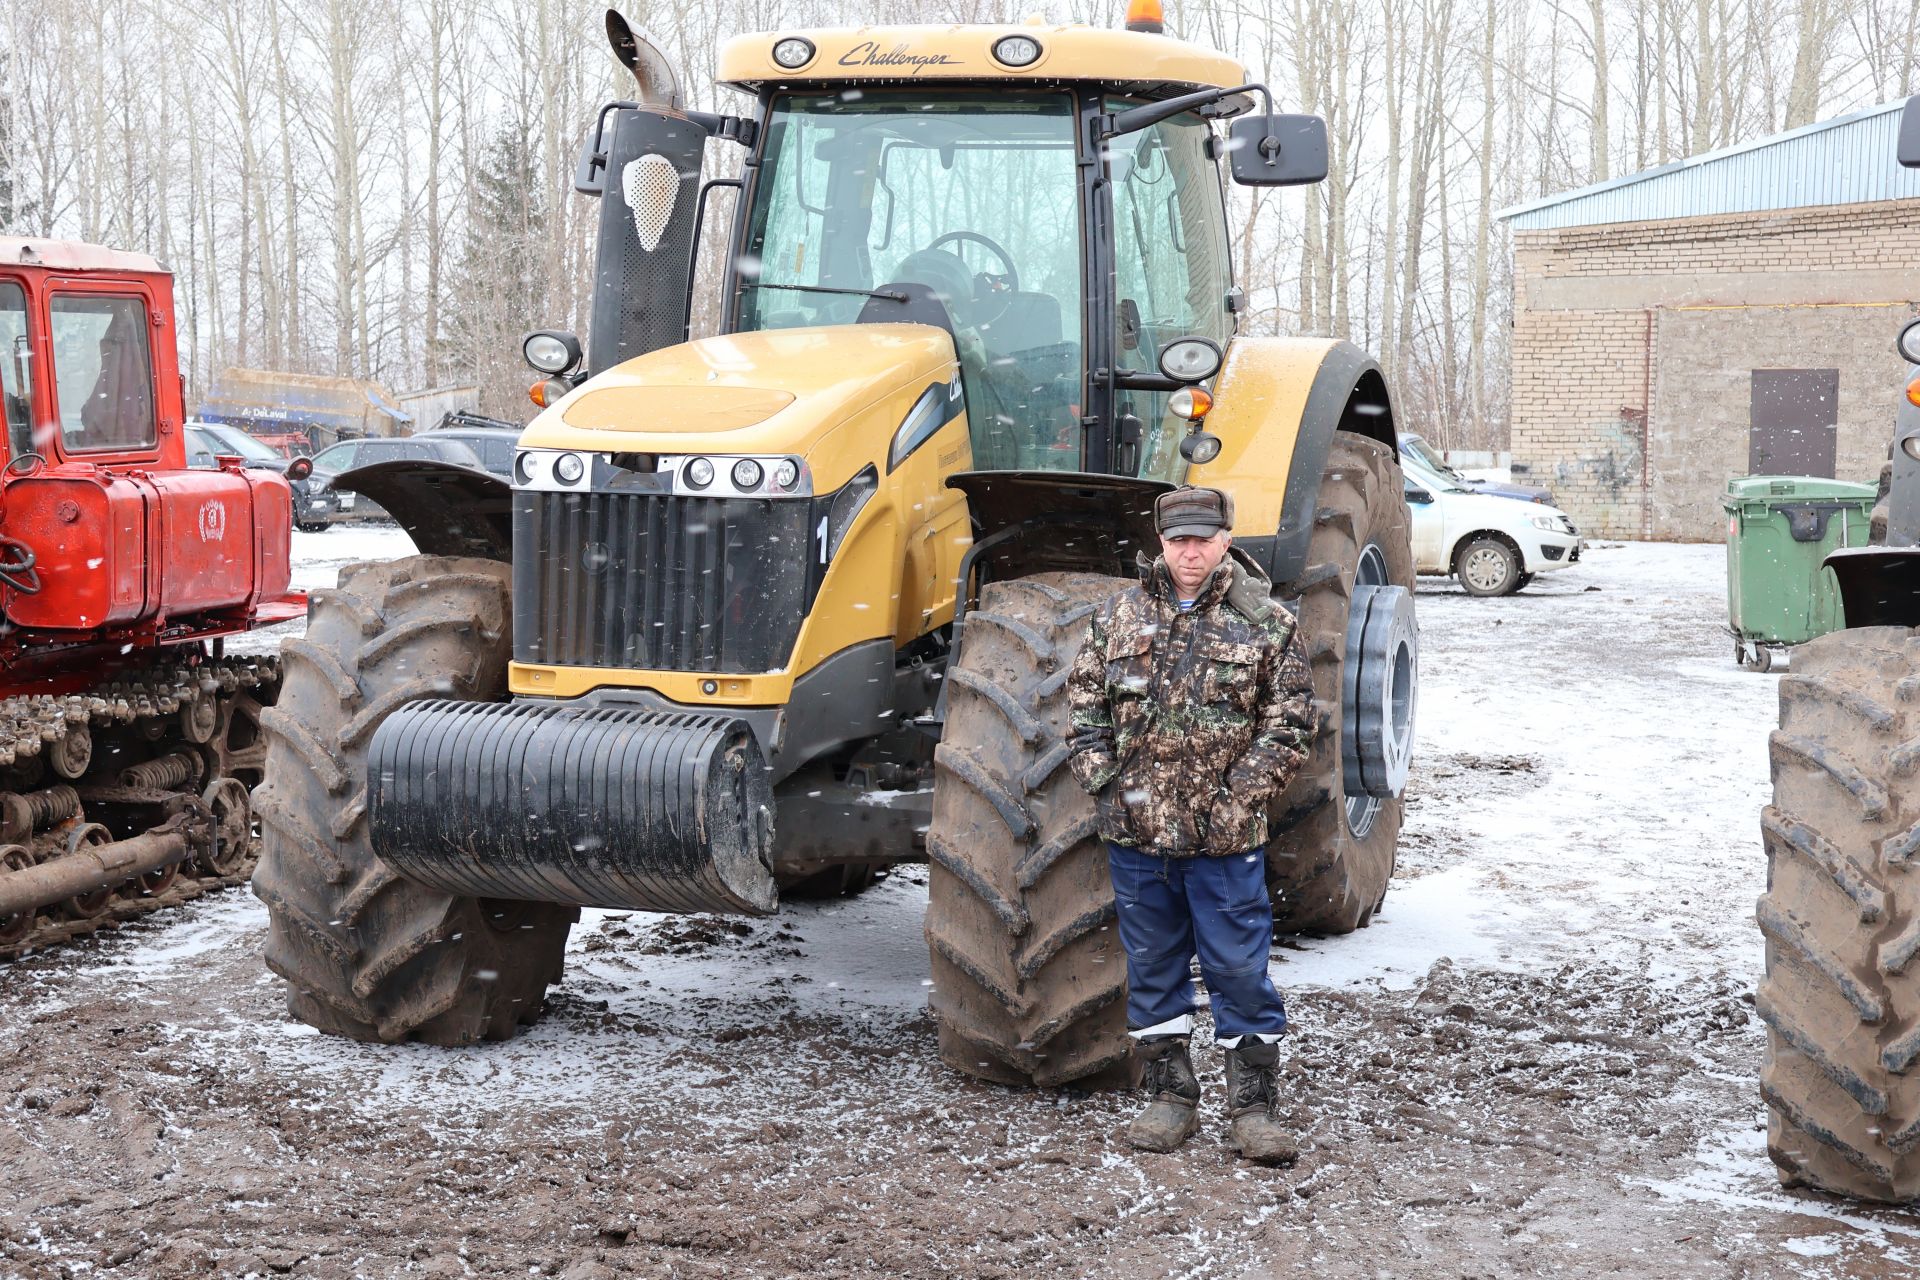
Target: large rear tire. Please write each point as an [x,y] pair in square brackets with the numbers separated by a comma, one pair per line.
[367,954]
[1841,917]
[1329,856]
[1029,980]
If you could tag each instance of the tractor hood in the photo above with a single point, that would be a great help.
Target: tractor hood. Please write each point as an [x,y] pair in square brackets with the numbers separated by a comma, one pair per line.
[833,395]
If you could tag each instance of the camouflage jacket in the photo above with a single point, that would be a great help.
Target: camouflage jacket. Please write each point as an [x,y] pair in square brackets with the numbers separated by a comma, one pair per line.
[1185,725]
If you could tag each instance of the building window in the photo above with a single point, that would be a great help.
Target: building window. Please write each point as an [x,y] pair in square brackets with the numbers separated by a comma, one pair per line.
[1792,419]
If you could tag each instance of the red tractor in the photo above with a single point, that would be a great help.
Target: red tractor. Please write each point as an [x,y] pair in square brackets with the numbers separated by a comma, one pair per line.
[129,739]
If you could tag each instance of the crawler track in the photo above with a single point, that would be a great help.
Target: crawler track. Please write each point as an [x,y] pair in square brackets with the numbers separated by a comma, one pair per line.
[172,743]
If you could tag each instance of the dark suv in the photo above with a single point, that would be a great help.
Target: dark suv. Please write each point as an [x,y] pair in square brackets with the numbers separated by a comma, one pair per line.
[349,454]
[493,444]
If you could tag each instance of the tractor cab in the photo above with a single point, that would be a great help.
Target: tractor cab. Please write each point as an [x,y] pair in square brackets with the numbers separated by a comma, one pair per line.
[1070,224]
[977,197]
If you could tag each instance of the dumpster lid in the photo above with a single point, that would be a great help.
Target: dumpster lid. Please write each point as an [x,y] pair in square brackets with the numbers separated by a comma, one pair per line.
[1772,490]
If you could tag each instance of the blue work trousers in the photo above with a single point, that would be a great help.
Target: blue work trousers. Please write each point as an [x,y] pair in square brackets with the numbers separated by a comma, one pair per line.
[1171,909]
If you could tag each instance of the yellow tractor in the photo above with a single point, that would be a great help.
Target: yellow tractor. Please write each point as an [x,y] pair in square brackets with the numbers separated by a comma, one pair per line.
[796,602]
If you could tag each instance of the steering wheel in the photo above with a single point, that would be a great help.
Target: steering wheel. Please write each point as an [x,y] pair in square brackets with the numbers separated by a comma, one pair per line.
[1012,273]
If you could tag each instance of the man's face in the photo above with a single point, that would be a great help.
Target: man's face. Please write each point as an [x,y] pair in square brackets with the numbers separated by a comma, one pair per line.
[1191,560]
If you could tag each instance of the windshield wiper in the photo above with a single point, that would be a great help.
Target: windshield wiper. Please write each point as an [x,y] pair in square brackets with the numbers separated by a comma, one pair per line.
[821,288]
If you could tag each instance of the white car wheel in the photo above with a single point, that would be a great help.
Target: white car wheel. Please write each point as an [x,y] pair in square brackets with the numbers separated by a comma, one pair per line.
[1489,567]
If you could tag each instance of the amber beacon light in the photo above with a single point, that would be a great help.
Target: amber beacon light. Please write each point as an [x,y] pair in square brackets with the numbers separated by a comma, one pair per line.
[1146,15]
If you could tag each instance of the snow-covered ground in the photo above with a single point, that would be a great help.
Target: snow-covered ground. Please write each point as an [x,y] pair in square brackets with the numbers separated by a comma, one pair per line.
[1539,1059]
[1591,767]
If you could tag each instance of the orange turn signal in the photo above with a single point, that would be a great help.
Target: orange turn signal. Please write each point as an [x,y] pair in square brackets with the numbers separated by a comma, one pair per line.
[1147,16]
[1913,391]
[1191,403]
[547,393]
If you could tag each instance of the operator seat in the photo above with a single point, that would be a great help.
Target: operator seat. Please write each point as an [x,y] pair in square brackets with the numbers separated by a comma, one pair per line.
[1028,321]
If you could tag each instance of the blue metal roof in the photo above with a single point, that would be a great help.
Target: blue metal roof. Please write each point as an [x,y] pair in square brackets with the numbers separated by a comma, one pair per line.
[1846,160]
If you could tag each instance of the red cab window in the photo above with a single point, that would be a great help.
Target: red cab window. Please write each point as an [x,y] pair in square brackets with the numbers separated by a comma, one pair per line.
[16,368]
[102,372]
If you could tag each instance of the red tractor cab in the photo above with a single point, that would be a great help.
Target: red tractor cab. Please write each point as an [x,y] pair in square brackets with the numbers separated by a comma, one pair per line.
[105,531]
[129,738]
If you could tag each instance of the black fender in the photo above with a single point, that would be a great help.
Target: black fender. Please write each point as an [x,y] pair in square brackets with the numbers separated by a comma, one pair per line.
[1349,393]
[447,509]
[1027,522]
[1879,586]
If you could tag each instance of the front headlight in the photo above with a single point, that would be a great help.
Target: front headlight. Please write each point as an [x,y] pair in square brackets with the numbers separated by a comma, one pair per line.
[1552,524]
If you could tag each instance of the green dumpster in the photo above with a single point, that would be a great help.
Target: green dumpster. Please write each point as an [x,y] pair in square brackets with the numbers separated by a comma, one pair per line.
[1779,530]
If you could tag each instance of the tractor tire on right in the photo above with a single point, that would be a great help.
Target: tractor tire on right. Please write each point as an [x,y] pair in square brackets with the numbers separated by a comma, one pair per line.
[1841,918]
[1329,854]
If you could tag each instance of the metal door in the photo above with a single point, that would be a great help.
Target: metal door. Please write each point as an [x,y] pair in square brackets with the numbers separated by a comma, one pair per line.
[1792,417]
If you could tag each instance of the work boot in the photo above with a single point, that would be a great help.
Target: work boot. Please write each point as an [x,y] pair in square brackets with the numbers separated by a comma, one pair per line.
[1173,1096]
[1253,1098]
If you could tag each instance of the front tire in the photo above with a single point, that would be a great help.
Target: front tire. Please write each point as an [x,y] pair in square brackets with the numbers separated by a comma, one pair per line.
[1029,979]
[367,954]
[1488,566]
[1841,992]
[1330,855]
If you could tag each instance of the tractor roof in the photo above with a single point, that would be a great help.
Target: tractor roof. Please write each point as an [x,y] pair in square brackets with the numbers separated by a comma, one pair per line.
[1127,59]
[73,255]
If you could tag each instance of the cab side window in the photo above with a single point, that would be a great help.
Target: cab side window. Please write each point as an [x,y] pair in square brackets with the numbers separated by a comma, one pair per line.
[1172,272]
[102,372]
[16,368]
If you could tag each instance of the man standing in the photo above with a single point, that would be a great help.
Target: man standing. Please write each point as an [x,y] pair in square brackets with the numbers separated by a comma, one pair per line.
[1192,708]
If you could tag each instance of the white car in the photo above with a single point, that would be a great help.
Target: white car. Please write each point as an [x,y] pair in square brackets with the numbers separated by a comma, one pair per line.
[1494,546]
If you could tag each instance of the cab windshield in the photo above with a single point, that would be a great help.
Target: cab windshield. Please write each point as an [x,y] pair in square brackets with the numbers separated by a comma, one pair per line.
[973,196]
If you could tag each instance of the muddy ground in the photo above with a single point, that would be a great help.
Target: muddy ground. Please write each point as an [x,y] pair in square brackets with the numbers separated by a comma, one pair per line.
[1540,1060]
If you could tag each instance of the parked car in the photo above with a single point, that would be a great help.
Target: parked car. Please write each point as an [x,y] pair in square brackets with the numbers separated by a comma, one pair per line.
[314,504]
[1412,446]
[495,445]
[1494,546]
[348,454]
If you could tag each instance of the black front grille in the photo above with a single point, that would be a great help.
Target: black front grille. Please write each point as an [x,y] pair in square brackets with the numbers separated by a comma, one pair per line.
[659,582]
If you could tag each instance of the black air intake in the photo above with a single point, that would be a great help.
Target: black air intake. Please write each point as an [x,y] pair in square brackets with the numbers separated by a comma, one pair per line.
[660,582]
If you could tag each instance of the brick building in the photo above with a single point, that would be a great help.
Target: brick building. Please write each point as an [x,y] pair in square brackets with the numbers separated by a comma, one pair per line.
[1730,314]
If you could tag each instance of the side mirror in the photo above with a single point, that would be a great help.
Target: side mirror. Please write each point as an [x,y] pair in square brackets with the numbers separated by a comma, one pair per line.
[1418,497]
[299,469]
[1277,150]
[1908,148]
